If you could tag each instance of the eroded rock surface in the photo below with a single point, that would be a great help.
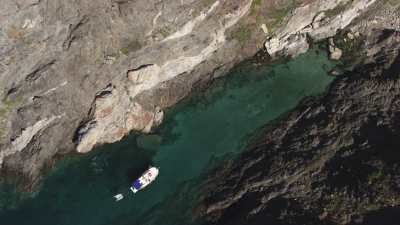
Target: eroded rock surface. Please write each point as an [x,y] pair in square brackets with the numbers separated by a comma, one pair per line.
[332,161]
[109,67]
[106,68]
[126,113]
[319,20]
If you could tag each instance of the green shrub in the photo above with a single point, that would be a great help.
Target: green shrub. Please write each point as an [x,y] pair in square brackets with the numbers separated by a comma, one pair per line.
[242,34]
[8,105]
[375,176]
[132,46]
[5,107]
[275,17]
[254,7]
[337,10]
[165,31]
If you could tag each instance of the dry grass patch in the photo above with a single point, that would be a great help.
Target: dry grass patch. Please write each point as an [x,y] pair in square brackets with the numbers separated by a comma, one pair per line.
[15,33]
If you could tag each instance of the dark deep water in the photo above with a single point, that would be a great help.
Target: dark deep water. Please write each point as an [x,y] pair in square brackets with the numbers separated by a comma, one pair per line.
[195,136]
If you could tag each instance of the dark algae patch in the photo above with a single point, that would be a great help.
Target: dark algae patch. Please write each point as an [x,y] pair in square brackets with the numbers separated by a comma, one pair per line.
[197,135]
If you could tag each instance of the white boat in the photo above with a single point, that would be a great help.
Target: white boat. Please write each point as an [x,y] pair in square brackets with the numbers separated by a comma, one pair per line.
[118,197]
[147,177]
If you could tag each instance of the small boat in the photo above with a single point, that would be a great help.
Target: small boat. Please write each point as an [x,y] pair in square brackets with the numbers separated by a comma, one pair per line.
[147,177]
[118,197]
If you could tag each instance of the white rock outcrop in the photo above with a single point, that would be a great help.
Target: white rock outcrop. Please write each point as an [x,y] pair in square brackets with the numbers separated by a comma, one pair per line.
[335,53]
[311,20]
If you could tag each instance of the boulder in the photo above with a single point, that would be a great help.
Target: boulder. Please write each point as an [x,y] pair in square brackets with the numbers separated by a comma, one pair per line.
[335,53]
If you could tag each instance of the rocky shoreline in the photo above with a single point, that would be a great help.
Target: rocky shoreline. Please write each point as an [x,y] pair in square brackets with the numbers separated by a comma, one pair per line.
[331,161]
[77,75]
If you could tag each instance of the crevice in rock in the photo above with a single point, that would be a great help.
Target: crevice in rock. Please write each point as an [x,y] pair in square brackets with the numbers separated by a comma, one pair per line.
[39,70]
[73,32]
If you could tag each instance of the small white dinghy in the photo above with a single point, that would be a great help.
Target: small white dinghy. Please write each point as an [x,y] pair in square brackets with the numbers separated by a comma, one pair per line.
[147,177]
[118,197]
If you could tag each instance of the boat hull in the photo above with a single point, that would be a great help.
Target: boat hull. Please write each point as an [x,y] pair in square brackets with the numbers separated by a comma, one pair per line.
[147,177]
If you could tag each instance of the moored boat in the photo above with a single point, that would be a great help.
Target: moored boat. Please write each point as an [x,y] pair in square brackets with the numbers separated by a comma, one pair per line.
[147,177]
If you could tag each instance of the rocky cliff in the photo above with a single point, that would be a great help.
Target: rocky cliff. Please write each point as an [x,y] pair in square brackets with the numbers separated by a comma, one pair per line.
[331,161]
[75,74]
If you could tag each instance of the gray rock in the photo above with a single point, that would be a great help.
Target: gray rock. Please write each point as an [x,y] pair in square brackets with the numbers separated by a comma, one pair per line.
[307,20]
[331,161]
[85,63]
[78,61]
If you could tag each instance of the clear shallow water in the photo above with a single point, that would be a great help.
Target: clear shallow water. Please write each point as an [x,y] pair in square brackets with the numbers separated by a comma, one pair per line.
[196,133]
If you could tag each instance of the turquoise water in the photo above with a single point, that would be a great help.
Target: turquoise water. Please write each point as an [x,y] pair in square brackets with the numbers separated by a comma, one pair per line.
[196,134]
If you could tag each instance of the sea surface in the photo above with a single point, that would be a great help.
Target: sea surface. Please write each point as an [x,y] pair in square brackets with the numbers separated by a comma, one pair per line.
[197,135]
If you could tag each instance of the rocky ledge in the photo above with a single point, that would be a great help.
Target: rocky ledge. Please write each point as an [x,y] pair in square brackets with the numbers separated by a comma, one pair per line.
[331,161]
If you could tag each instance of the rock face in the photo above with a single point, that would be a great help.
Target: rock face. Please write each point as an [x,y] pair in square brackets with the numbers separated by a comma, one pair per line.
[319,20]
[114,114]
[125,113]
[75,74]
[335,161]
